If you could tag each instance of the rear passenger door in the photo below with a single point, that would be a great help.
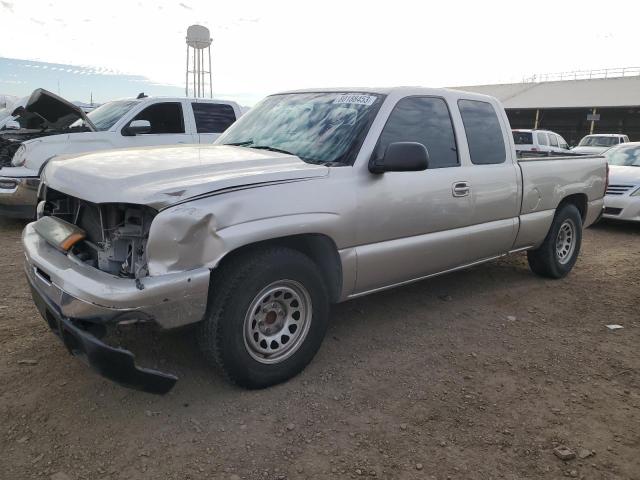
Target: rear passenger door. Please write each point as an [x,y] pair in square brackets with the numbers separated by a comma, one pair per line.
[492,177]
[212,119]
[543,141]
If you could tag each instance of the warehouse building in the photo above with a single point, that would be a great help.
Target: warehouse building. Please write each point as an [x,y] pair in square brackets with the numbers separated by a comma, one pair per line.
[573,104]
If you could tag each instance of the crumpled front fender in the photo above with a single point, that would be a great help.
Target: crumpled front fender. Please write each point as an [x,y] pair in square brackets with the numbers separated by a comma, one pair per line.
[182,238]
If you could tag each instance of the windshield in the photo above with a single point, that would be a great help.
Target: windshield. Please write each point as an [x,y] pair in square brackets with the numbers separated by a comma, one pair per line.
[317,127]
[105,116]
[522,138]
[596,141]
[623,155]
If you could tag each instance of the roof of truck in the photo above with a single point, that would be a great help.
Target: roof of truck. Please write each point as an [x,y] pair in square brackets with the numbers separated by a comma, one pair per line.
[531,130]
[176,99]
[400,91]
[606,135]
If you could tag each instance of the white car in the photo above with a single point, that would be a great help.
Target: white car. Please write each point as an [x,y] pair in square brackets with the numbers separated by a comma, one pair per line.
[622,199]
[52,126]
[539,141]
[598,143]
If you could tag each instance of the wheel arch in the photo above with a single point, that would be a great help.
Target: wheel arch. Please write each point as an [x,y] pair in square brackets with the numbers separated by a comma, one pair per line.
[579,200]
[319,247]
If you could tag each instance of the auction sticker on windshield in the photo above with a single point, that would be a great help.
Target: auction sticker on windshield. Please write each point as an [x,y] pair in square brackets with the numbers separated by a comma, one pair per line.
[355,99]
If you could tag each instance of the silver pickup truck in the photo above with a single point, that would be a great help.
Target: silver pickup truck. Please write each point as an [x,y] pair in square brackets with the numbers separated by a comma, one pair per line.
[312,198]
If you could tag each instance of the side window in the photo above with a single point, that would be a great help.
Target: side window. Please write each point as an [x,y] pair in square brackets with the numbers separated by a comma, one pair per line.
[484,133]
[213,117]
[542,138]
[424,120]
[553,139]
[164,117]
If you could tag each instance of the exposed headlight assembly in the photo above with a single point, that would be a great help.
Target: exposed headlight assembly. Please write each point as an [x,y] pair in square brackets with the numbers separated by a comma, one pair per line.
[19,157]
[636,192]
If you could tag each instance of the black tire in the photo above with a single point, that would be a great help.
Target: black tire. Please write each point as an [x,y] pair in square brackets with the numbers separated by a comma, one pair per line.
[546,261]
[235,287]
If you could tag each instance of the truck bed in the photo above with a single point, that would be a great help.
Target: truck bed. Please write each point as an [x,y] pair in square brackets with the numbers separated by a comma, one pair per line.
[546,181]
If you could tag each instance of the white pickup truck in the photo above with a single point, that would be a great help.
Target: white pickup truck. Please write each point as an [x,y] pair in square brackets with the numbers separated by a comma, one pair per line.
[311,198]
[51,126]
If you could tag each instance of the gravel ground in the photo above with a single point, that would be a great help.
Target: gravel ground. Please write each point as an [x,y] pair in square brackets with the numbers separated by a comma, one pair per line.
[478,374]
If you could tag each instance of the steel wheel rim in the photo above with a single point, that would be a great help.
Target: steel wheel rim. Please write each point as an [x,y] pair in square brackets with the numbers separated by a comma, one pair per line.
[277,321]
[566,241]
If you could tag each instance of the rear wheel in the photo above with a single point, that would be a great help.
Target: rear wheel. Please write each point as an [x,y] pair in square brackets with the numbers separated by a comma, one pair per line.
[267,316]
[558,253]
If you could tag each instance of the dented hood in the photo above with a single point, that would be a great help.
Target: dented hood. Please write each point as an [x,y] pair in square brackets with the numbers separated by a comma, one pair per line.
[162,176]
[57,112]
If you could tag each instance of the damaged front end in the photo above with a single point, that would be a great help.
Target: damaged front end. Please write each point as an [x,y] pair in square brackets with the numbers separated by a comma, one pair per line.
[11,140]
[116,234]
[87,267]
[44,114]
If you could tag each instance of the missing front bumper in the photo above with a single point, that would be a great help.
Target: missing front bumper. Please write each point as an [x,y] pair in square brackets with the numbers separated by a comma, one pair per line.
[116,364]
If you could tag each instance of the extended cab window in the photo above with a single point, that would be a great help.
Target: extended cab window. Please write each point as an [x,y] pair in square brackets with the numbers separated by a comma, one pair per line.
[213,117]
[164,117]
[424,120]
[484,134]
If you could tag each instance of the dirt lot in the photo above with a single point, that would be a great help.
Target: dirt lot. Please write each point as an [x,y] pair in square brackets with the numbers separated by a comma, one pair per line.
[478,374]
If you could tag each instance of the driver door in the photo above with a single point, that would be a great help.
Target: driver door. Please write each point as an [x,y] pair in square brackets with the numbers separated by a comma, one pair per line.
[168,127]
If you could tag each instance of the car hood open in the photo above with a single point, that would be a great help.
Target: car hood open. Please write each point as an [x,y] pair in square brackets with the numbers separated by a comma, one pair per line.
[57,112]
[163,176]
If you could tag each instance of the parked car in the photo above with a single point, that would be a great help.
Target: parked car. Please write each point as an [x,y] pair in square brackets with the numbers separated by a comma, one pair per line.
[622,199]
[311,198]
[52,126]
[539,141]
[594,144]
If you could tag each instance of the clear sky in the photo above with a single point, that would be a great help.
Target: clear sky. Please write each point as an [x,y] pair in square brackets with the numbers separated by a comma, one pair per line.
[264,46]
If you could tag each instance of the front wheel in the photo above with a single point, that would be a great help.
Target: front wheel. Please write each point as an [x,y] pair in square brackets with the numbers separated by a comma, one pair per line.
[267,316]
[558,253]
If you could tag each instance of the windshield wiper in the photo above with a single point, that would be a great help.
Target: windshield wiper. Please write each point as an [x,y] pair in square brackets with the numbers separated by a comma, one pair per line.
[271,149]
[248,144]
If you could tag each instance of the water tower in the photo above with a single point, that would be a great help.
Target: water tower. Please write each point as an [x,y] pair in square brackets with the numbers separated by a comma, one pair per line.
[198,40]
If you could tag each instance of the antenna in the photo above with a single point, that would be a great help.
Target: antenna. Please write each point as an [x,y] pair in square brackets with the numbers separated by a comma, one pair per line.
[198,40]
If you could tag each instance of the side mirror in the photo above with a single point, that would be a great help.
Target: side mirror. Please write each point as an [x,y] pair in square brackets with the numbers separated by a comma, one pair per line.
[401,157]
[136,127]
[12,125]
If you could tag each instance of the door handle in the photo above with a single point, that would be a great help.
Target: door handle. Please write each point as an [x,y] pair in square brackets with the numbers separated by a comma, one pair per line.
[460,189]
